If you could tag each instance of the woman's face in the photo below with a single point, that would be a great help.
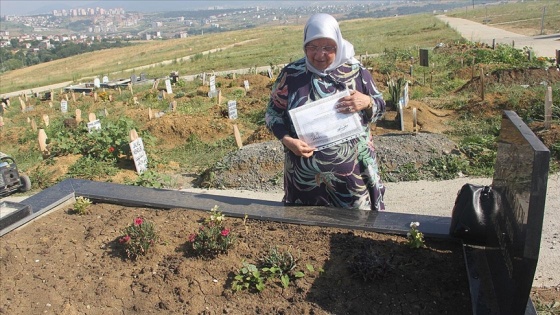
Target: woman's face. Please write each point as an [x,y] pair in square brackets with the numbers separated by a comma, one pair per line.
[321,52]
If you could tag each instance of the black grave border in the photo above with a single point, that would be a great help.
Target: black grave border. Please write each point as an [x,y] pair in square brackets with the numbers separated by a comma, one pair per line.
[137,196]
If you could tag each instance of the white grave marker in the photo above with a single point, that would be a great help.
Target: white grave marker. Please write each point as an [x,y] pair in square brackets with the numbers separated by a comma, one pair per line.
[138,152]
[401,114]
[406,95]
[168,86]
[232,109]
[213,91]
[94,125]
[246,83]
[64,106]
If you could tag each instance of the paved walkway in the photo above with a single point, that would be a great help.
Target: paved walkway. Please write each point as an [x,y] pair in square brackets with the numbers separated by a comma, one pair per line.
[543,46]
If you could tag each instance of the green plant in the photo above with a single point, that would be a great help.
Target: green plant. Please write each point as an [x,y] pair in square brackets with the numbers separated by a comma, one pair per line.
[446,167]
[212,238]
[396,90]
[285,261]
[138,237]
[90,168]
[81,205]
[152,179]
[248,278]
[415,238]
[276,265]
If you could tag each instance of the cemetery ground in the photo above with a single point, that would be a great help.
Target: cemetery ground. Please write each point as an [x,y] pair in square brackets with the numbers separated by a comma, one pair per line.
[65,263]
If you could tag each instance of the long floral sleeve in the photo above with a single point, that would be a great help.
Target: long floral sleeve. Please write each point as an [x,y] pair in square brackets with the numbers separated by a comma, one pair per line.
[276,117]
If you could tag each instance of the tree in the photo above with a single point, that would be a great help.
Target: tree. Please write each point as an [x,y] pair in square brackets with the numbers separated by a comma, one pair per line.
[14,42]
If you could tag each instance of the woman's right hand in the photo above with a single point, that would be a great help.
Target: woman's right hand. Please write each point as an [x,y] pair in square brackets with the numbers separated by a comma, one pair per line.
[297,146]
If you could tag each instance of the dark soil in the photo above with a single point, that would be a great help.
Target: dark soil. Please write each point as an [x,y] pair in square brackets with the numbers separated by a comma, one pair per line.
[65,263]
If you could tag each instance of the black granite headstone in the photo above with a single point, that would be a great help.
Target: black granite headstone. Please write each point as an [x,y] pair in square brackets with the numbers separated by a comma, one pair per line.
[504,269]
[424,57]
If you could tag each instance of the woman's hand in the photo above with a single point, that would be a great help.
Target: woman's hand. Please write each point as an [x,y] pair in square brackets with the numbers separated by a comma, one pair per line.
[355,102]
[297,146]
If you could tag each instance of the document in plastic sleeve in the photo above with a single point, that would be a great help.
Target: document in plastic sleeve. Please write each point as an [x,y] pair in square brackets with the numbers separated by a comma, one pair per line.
[320,125]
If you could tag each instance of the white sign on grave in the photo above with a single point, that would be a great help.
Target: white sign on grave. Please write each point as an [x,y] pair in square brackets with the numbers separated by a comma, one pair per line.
[94,125]
[406,95]
[246,83]
[269,73]
[401,114]
[105,79]
[139,155]
[213,92]
[64,106]
[96,82]
[168,86]
[232,109]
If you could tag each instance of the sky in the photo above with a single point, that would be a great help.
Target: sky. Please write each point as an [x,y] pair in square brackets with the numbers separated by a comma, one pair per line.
[33,7]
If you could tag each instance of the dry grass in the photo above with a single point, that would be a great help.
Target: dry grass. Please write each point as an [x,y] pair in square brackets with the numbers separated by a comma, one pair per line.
[259,46]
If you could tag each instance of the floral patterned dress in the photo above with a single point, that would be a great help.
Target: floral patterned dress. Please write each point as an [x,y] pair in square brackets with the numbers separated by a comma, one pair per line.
[345,175]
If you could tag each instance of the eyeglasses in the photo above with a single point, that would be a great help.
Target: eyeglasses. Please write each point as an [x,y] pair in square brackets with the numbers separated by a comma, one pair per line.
[322,49]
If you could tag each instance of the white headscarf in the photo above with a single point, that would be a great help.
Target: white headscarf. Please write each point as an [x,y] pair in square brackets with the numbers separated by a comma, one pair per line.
[322,25]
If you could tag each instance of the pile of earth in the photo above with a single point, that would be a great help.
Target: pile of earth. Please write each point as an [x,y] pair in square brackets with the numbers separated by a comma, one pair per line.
[259,166]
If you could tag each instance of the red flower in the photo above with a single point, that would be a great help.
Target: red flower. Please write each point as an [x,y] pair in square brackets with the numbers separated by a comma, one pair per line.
[138,221]
[225,232]
[192,238]
[111,149]
[124,239]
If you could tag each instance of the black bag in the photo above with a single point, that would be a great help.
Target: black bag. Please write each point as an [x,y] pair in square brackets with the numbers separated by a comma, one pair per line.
[471,213]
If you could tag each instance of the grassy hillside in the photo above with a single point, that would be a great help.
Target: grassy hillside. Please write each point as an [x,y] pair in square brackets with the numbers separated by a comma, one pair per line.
[254,47]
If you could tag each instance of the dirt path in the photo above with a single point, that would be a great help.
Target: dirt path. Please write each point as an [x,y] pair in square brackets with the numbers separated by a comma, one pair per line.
[543,46]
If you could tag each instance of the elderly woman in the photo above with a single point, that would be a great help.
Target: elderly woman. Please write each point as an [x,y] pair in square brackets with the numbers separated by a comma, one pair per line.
[346,174]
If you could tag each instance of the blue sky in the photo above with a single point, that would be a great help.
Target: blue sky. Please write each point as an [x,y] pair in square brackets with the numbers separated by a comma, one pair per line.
[23,7]
[32,7]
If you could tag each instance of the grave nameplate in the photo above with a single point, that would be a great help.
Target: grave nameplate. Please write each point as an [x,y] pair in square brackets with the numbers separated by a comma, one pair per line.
[64,106]
[506,266]
[94,125]
[406,95]
[139,155]
[133,78]
[232,109]
[213,86]
[168,86]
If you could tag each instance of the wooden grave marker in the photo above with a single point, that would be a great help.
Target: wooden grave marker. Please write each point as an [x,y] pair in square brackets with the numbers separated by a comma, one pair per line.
[78,115]
[237,136]
[548,108]
[42,139]
[46,120]
[33,125]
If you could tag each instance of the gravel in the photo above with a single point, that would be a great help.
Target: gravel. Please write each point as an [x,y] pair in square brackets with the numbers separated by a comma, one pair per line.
[259,166]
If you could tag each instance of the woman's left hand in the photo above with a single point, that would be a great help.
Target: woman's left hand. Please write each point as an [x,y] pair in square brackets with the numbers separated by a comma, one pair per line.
[355,102]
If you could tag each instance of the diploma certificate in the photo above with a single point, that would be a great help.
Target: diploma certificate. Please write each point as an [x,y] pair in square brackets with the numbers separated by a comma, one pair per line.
[320,125]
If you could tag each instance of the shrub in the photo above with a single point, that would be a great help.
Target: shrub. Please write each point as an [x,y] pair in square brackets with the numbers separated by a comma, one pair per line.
[81,205]
[213,238]
[138,237]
